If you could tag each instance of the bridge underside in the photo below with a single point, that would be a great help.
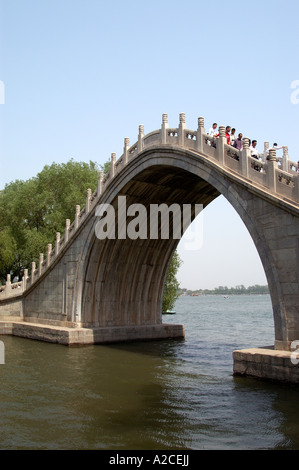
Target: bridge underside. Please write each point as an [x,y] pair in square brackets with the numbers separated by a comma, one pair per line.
[107,300]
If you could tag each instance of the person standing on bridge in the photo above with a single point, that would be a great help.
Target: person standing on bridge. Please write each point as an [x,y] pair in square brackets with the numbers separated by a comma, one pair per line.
[213,132]
[254,150]
[238,144]
[255,154]
[227,134]
[233,136]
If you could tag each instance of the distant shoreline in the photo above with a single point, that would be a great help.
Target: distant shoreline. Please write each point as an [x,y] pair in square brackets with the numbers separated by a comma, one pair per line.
[238,290]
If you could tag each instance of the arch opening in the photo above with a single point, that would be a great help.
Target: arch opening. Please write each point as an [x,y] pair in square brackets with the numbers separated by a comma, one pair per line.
[226,259]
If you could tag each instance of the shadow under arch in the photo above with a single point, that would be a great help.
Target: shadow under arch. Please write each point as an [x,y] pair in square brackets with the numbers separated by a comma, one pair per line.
[123,279]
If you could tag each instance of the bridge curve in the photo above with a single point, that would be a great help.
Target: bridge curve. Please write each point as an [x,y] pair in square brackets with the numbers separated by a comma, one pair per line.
[113,283]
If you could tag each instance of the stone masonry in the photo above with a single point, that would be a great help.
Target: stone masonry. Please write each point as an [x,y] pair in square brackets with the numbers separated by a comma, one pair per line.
[86,286]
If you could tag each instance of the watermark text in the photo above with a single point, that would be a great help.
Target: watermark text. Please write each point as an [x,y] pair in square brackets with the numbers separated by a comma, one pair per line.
[158,221]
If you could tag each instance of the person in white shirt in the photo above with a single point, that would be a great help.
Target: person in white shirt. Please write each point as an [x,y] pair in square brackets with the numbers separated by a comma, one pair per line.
[254,150]
[233,136]
[213,130]
[255,154]
[275,147]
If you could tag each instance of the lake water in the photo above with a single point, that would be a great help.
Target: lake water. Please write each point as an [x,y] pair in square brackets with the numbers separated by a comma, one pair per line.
[173,394]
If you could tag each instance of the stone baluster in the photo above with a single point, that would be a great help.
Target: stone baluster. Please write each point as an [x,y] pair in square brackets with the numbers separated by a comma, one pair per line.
[77,214]
[113,160]
[182,127]
[140,138]
[266,151]
[164,128]
[271,170]
[49,254]
[100,183]
[8,284]
[41,260]
[88,197]
[57,243]
[33,267]
[126,150]
[67,229]
[244,157]
[200,132]
[24,279]
[285,159]
[220,145]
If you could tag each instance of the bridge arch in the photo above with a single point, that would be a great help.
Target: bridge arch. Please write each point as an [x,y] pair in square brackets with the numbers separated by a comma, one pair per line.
[121,281]
[84,281]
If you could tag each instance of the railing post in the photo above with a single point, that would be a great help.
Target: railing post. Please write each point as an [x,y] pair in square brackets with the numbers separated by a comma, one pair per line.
[77,216]
[126,150]
[140,138]
[244,157]
[220,145]
[200,132]
[100,183]
[266,150]
[271,170]
[41,260]
[24,279]
[57,243]
[32,271]
[8,284]
[88,197]
[285,159]
[182,127]
[164,128]
[113,160]
[67,229]
[49,254]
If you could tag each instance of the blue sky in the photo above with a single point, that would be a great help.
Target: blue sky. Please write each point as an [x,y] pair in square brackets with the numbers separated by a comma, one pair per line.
[80,76]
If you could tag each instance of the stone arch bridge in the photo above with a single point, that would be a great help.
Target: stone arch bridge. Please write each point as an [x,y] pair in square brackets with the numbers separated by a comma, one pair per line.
[89,290]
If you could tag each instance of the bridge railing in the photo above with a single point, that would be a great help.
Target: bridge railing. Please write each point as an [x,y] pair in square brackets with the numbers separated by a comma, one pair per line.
[11,289]
[277,175]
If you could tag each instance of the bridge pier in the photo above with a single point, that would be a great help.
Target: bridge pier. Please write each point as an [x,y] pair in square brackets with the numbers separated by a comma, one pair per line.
[76,336]
[267,363]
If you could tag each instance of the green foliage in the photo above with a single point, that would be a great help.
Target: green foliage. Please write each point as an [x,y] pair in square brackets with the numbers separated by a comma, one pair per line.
[106,167]
[171,288]
[32,211]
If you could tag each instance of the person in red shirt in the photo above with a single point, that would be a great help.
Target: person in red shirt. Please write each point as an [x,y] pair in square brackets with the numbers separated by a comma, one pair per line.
[227,134]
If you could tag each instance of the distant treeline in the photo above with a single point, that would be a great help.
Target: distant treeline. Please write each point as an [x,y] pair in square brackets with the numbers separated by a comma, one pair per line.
[224,290]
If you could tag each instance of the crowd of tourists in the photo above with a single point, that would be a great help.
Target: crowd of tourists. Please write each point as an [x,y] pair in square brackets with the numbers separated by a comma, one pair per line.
[236,141]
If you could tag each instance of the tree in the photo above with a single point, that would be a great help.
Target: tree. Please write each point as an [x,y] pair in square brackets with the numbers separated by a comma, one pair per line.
[32,211]
[171,288]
